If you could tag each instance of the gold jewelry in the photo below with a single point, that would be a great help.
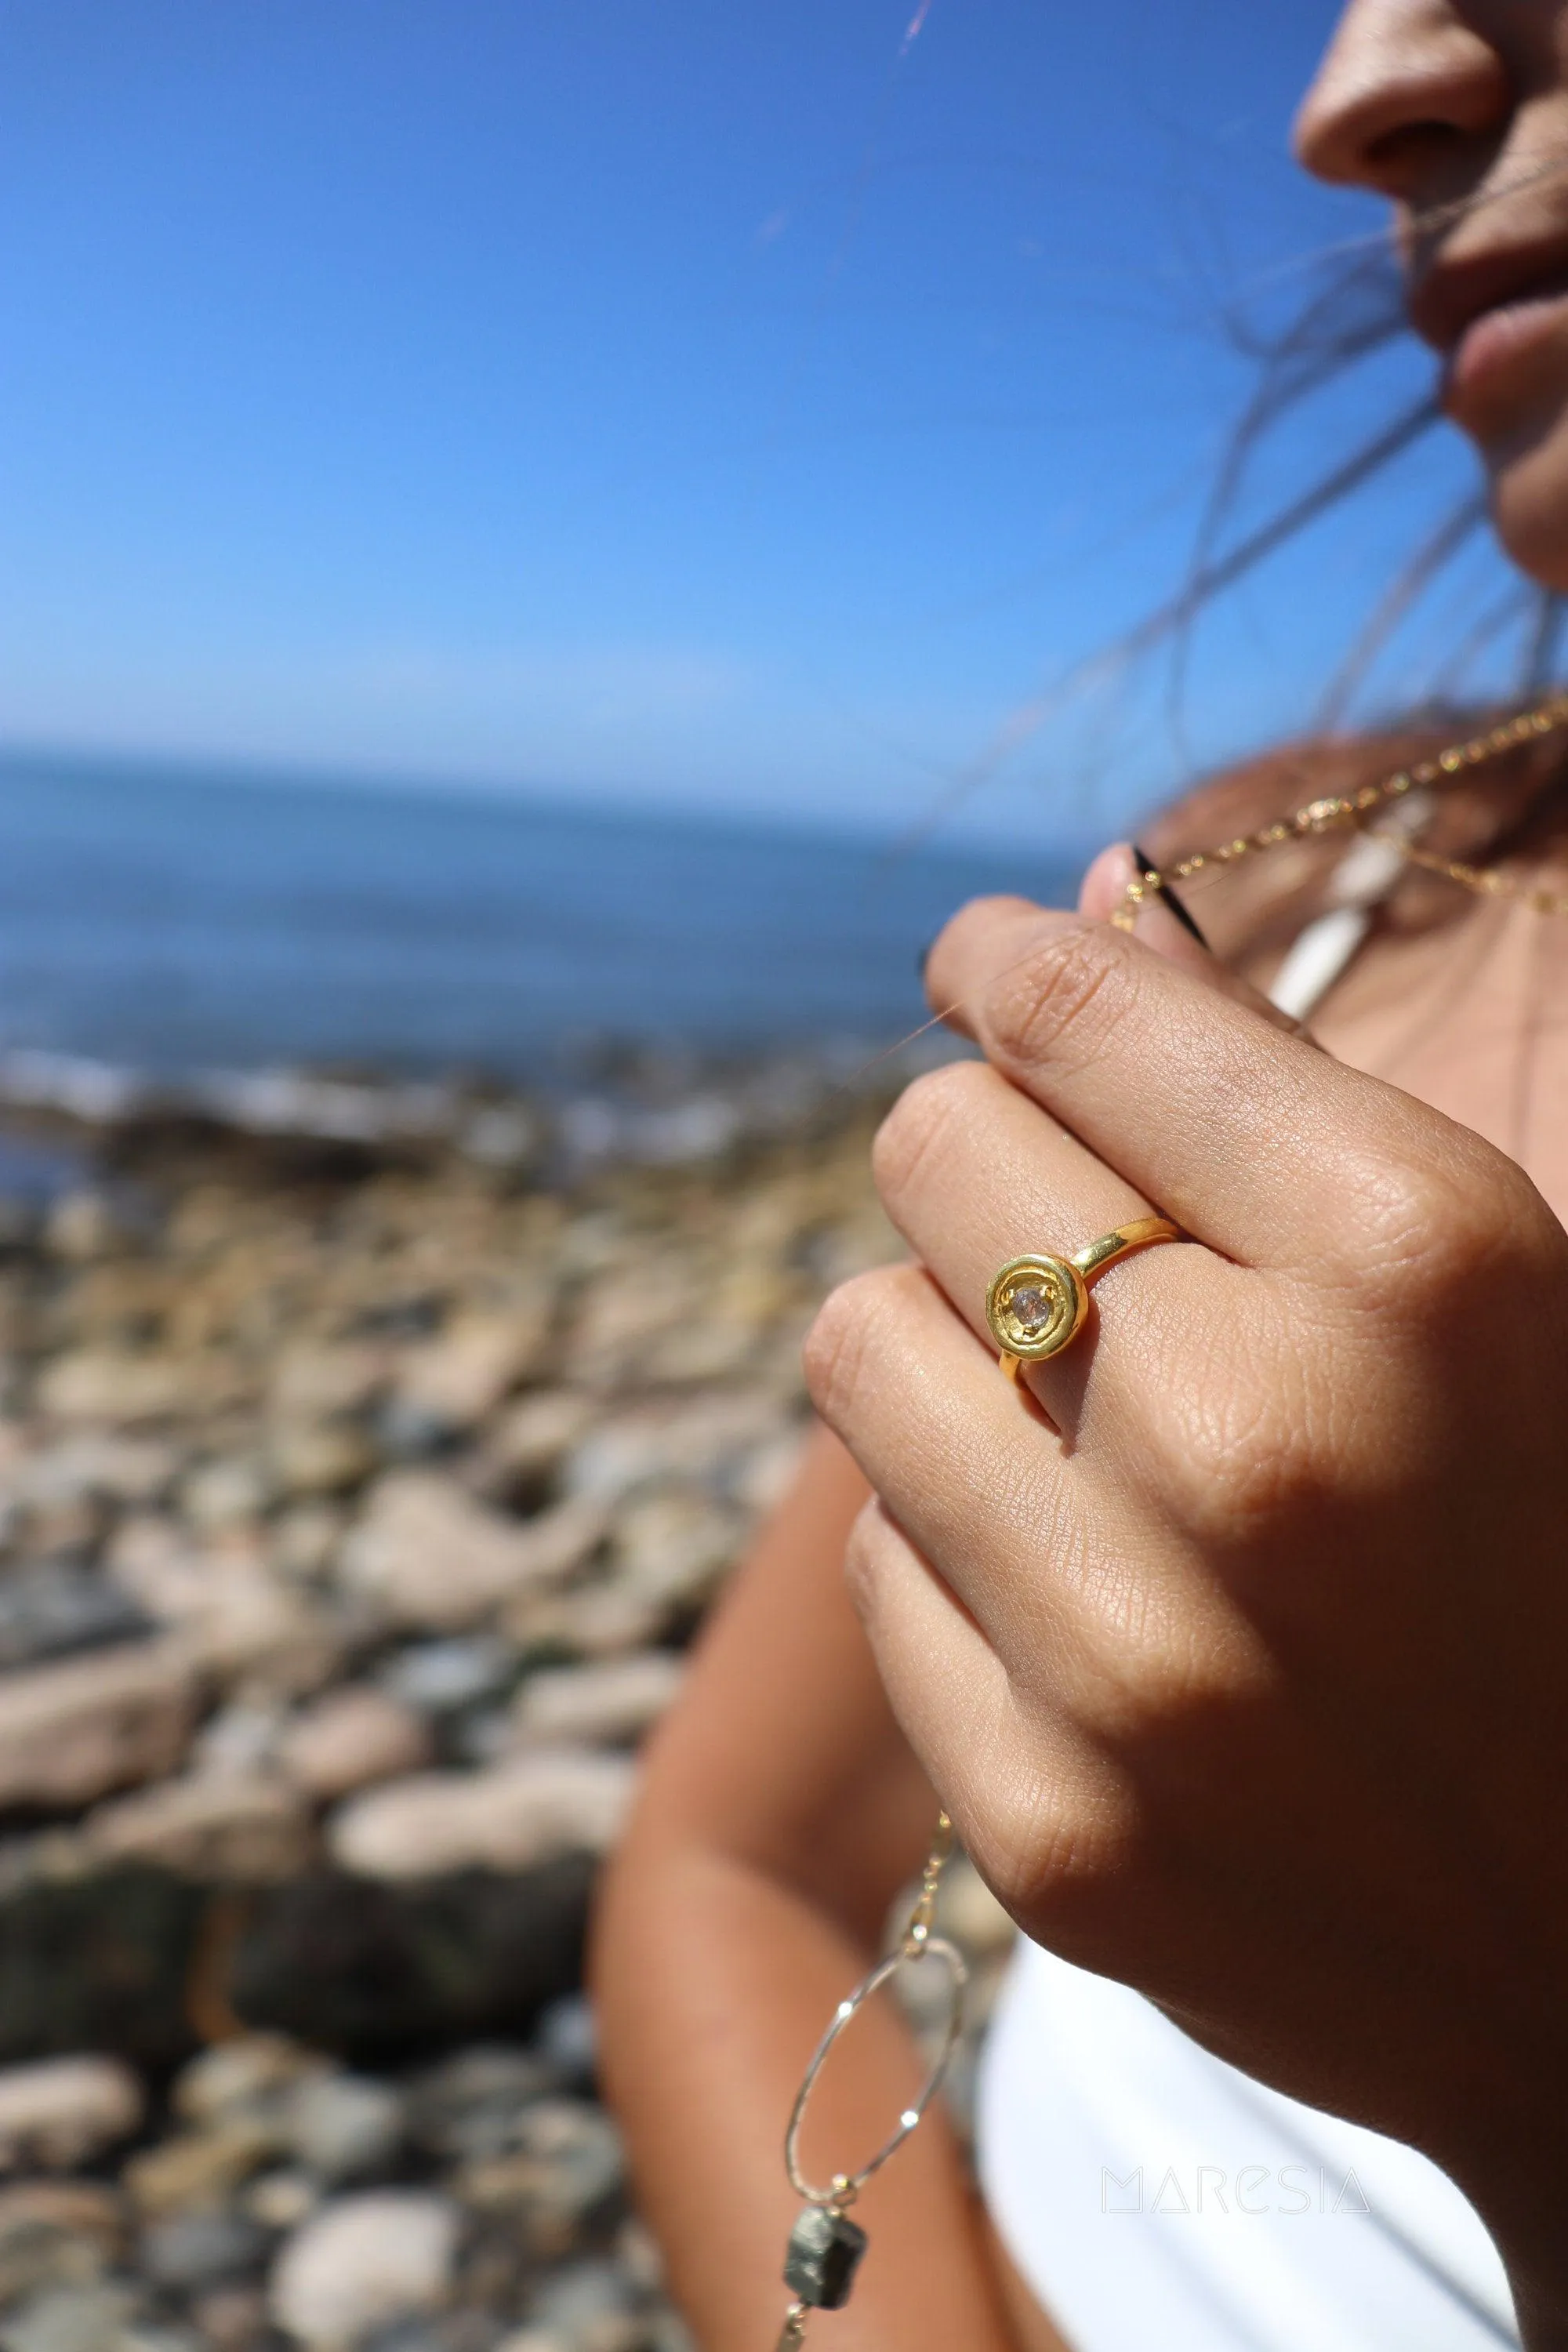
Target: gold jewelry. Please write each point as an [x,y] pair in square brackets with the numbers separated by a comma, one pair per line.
[1038,1305]
[824,2246]
[1352,810]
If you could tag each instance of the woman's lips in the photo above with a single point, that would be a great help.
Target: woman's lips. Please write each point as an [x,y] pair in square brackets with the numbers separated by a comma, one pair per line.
[1498,357]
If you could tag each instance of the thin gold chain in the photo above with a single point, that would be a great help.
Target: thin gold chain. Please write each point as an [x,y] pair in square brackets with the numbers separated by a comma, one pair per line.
[1354,809]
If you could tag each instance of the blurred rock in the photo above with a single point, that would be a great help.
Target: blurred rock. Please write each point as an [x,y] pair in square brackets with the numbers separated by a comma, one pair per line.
[199,2171]
[472,2105]
[97,1961]
[69,1733]
[203,2249]
[352,1738]
[533,1437]
[55,2233]
[50,1609]
[58,2113]
[221,1828]
[439,1678]
[239,2074]
[231,2317]
[454,1380]
[671,1549]
[233,1613]
[312,1381]
[432,1558]
[553,1801]
[351,1965]
[344,2128]
[318,1458]
[362,2261]
[588,2306]
[86,2318]
[604,1704]
[565,2164]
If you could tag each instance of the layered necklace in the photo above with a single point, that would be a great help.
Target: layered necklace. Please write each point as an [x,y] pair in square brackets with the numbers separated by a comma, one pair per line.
[1358,811]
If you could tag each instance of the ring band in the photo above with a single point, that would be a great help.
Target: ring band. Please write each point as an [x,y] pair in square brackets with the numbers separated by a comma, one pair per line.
[1038,1305]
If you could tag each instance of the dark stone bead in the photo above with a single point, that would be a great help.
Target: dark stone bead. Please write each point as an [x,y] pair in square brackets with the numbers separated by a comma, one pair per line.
[825,2250]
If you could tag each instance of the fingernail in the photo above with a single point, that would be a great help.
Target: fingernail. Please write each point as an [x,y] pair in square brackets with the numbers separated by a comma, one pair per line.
[1147,866]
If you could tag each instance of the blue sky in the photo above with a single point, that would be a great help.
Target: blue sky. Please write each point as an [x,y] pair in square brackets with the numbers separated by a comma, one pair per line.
[667,398]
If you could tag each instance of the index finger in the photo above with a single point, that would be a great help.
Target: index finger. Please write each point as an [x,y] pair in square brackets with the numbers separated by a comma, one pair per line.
[1254,1140]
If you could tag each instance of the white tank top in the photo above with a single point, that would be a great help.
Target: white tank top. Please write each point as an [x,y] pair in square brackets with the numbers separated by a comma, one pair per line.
[1158,2201]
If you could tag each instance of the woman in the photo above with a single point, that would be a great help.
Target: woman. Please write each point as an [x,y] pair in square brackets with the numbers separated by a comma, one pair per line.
[1235,1638]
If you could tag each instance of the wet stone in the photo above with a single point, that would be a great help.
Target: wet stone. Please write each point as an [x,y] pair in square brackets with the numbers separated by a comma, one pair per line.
[825,2251]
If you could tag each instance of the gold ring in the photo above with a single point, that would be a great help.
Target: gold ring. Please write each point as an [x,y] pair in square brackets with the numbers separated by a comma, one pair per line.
[1036,1306]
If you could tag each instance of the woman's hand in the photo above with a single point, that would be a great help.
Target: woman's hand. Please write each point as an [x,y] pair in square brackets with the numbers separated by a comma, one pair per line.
[1244,1672]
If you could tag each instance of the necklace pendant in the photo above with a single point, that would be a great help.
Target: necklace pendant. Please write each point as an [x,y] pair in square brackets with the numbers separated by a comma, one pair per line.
[825,2251]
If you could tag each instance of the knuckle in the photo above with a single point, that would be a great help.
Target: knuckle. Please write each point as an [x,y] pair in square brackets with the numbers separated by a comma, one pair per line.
[847,1327]
[1062,999]
[1432,1228]
[931,1110]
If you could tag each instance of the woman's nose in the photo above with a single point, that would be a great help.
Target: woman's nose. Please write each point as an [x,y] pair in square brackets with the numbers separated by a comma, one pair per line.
[1405,87]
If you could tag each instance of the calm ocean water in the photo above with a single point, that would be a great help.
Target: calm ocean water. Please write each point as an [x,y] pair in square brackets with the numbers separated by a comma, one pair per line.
[176,922]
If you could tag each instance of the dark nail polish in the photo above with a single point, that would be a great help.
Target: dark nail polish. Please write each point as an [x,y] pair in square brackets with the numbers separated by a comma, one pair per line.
[1147,866]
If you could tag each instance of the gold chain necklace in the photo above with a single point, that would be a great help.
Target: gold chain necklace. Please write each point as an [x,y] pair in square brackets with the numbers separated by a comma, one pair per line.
[1355,809]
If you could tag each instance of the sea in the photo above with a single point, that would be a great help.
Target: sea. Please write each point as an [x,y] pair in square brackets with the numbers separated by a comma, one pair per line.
[172,921]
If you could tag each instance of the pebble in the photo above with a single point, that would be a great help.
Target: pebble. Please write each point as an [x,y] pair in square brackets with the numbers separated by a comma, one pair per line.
[605,1703]
[564,2163]
[527,1809]
[472,2105]
[49,1607]
[362,2261]
[454,1380]
[350,1737]
[218,1827]
[236,2075]
[344,2128]
[60,2111]
[85,2318]
[434,1558]
[440,1677]
[55,2233]
[671,1549]
[203,2249]
[69,1733]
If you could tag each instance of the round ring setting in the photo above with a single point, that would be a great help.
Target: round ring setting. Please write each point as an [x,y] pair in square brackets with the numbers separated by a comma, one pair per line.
[1038,1305]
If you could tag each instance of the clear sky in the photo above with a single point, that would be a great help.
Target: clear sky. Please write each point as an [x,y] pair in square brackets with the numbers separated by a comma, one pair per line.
[732,403]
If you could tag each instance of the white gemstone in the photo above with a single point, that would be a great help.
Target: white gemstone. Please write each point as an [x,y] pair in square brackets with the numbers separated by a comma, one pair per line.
[1032,1308]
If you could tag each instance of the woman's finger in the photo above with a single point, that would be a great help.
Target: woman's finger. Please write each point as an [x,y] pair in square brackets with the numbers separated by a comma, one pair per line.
[974,1173]
[1254,1142]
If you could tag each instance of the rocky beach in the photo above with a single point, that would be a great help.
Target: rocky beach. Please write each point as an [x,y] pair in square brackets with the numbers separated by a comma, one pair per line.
[361,1491]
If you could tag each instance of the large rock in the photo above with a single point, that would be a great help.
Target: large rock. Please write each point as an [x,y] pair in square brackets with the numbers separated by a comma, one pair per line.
[532,1807]
[58,2113]
[602,1704]
[372,1969]
[433,1558]
[363,2261]
[99,1962]
[70,1733]
[219,1827]
[349,1738]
